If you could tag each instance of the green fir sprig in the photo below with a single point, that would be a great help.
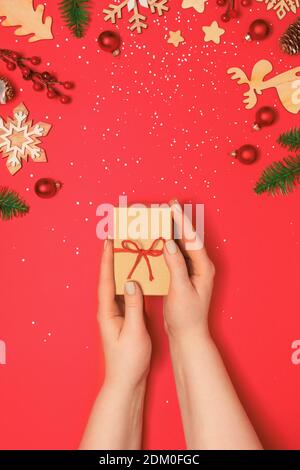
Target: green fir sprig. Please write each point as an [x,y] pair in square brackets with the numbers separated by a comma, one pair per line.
[76,15]
[11,205]
[290,139]
[279,177]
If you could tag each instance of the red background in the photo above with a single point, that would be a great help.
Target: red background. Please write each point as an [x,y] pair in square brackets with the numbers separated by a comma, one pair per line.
[153,123]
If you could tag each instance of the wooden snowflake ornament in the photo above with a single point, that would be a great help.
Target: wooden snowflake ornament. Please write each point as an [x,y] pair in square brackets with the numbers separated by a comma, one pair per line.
[282,7]
[19,139]
[138,21]
[27,19]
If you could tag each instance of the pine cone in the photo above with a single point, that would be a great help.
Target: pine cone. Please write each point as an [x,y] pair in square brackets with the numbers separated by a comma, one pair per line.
[290,40]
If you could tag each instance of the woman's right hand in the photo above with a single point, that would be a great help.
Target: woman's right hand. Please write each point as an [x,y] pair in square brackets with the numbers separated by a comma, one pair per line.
[192,273]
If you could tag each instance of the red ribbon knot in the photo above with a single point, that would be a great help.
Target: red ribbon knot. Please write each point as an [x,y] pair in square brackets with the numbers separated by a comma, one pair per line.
[129,246]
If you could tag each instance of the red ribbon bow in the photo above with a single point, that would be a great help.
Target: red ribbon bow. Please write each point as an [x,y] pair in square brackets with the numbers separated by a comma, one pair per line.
[129,246]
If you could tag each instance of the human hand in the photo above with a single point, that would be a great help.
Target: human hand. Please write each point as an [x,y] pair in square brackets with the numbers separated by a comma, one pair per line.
[192,272]
[126,342]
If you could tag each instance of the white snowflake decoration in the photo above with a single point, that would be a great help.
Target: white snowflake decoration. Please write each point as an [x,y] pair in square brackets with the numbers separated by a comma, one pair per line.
[19,139]
[282,7]
[138,21]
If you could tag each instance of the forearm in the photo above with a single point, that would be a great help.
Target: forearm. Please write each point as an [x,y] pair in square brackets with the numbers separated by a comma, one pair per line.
[212,415]
[116,419]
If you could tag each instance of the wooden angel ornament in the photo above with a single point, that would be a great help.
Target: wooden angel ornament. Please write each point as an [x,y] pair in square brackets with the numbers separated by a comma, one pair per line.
[286,83]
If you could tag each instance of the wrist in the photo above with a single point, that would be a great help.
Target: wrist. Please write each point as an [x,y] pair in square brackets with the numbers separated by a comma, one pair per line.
[191,336]
[117,386]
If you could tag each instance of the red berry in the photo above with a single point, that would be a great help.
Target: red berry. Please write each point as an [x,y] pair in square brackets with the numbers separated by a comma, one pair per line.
[26,72]
[65,99]
[234,13]
[68,85]
[35,60]
[11,66]
[46,76]
[246,3]
[225,17]
[51,93]
[14,55]
[221,3]
[38,86]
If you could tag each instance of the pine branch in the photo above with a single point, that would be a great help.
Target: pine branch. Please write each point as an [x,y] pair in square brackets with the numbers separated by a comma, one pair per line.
[76,15]
[290,139]
[11,205]
[279,177]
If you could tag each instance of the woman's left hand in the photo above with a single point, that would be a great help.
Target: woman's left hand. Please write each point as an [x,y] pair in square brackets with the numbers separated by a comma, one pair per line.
[126,341]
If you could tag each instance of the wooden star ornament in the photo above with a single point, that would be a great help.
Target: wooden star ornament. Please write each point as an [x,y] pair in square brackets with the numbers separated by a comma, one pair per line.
[198,5]
[175,38]
[213,32]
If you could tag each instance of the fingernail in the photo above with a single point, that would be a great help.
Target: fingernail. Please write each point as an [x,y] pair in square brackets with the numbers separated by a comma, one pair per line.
[130,287]
[171,247]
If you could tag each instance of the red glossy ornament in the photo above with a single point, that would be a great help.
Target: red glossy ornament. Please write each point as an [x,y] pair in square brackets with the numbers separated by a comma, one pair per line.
[246,3]
[47,187]
[225,17]
[265,116]
[258,30]
[110,41]
[246,154]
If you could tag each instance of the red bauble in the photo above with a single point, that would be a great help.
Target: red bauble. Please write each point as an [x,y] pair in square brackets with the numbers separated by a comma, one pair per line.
[110,41]
[246,3]
[258,30]
[246,154]
[265,116]
[46,187]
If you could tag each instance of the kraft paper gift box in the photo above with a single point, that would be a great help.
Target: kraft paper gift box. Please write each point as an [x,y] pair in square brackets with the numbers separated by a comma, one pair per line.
[139,234]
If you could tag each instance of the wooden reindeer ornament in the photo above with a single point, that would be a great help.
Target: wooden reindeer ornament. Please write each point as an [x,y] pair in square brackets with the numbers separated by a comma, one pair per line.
[287,84]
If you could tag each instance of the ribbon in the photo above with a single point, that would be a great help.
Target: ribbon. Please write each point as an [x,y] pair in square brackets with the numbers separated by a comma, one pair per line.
[132,3]
[129,246]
